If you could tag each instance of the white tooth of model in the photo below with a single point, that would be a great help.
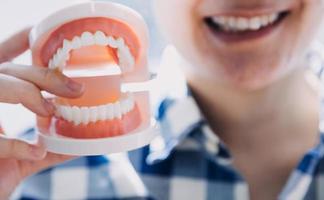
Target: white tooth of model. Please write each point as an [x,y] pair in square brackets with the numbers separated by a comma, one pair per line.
[109,111]
[85,115]
[112,42]
[76,115]
[117,110]
[100,38]
[102,113]
[76,43]
[93,114]
[87,39]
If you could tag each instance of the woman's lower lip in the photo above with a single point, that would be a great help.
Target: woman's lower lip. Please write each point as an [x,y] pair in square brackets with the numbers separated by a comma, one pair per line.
[231,37]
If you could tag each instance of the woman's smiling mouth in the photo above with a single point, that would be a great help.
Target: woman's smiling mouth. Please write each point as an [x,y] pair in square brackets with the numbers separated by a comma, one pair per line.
[233,28]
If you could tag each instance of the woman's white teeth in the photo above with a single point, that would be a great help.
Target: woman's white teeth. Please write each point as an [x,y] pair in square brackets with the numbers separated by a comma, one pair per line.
[62,55]
[85,115]
[229,23]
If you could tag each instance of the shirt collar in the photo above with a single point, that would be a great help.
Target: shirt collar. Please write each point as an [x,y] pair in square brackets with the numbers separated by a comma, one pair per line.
[181,120]
[179,117]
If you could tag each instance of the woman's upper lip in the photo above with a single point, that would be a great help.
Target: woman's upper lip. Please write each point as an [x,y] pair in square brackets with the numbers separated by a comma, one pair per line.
[247,13]
[251,11]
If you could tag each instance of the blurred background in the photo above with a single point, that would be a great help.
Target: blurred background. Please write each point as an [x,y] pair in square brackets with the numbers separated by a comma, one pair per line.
[17,14]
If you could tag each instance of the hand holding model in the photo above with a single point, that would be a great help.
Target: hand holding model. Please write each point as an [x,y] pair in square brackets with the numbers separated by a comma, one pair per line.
[22,84]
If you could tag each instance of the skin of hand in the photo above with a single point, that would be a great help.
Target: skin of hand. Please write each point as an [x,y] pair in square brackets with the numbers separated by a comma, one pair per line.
[22,84]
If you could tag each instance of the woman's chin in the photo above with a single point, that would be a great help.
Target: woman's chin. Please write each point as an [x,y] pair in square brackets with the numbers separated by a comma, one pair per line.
[252,80]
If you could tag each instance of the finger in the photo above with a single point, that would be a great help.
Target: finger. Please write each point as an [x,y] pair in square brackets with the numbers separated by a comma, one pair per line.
[52,81]
[51,159]
[17,91]
[14,46]
[13,148]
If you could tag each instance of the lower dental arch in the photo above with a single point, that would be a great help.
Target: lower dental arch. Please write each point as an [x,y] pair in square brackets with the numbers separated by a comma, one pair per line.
[85,115]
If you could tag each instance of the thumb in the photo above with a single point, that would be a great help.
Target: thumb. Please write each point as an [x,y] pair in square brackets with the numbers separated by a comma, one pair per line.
[18,149]
[51,159]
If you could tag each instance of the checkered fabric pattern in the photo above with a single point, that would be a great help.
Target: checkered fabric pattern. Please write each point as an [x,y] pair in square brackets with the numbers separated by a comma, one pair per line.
[188,161]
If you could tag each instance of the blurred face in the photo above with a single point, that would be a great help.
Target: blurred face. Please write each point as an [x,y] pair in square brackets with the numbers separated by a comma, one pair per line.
[246,44]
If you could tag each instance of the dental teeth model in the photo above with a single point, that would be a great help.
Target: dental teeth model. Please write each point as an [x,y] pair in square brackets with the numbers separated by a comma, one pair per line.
[91,40]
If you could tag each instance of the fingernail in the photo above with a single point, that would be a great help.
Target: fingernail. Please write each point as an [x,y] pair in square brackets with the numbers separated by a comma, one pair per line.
[74,86]
[49,106]
[38,152]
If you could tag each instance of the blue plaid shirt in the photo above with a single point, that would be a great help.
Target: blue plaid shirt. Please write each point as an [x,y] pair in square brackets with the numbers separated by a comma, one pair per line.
[188,161]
